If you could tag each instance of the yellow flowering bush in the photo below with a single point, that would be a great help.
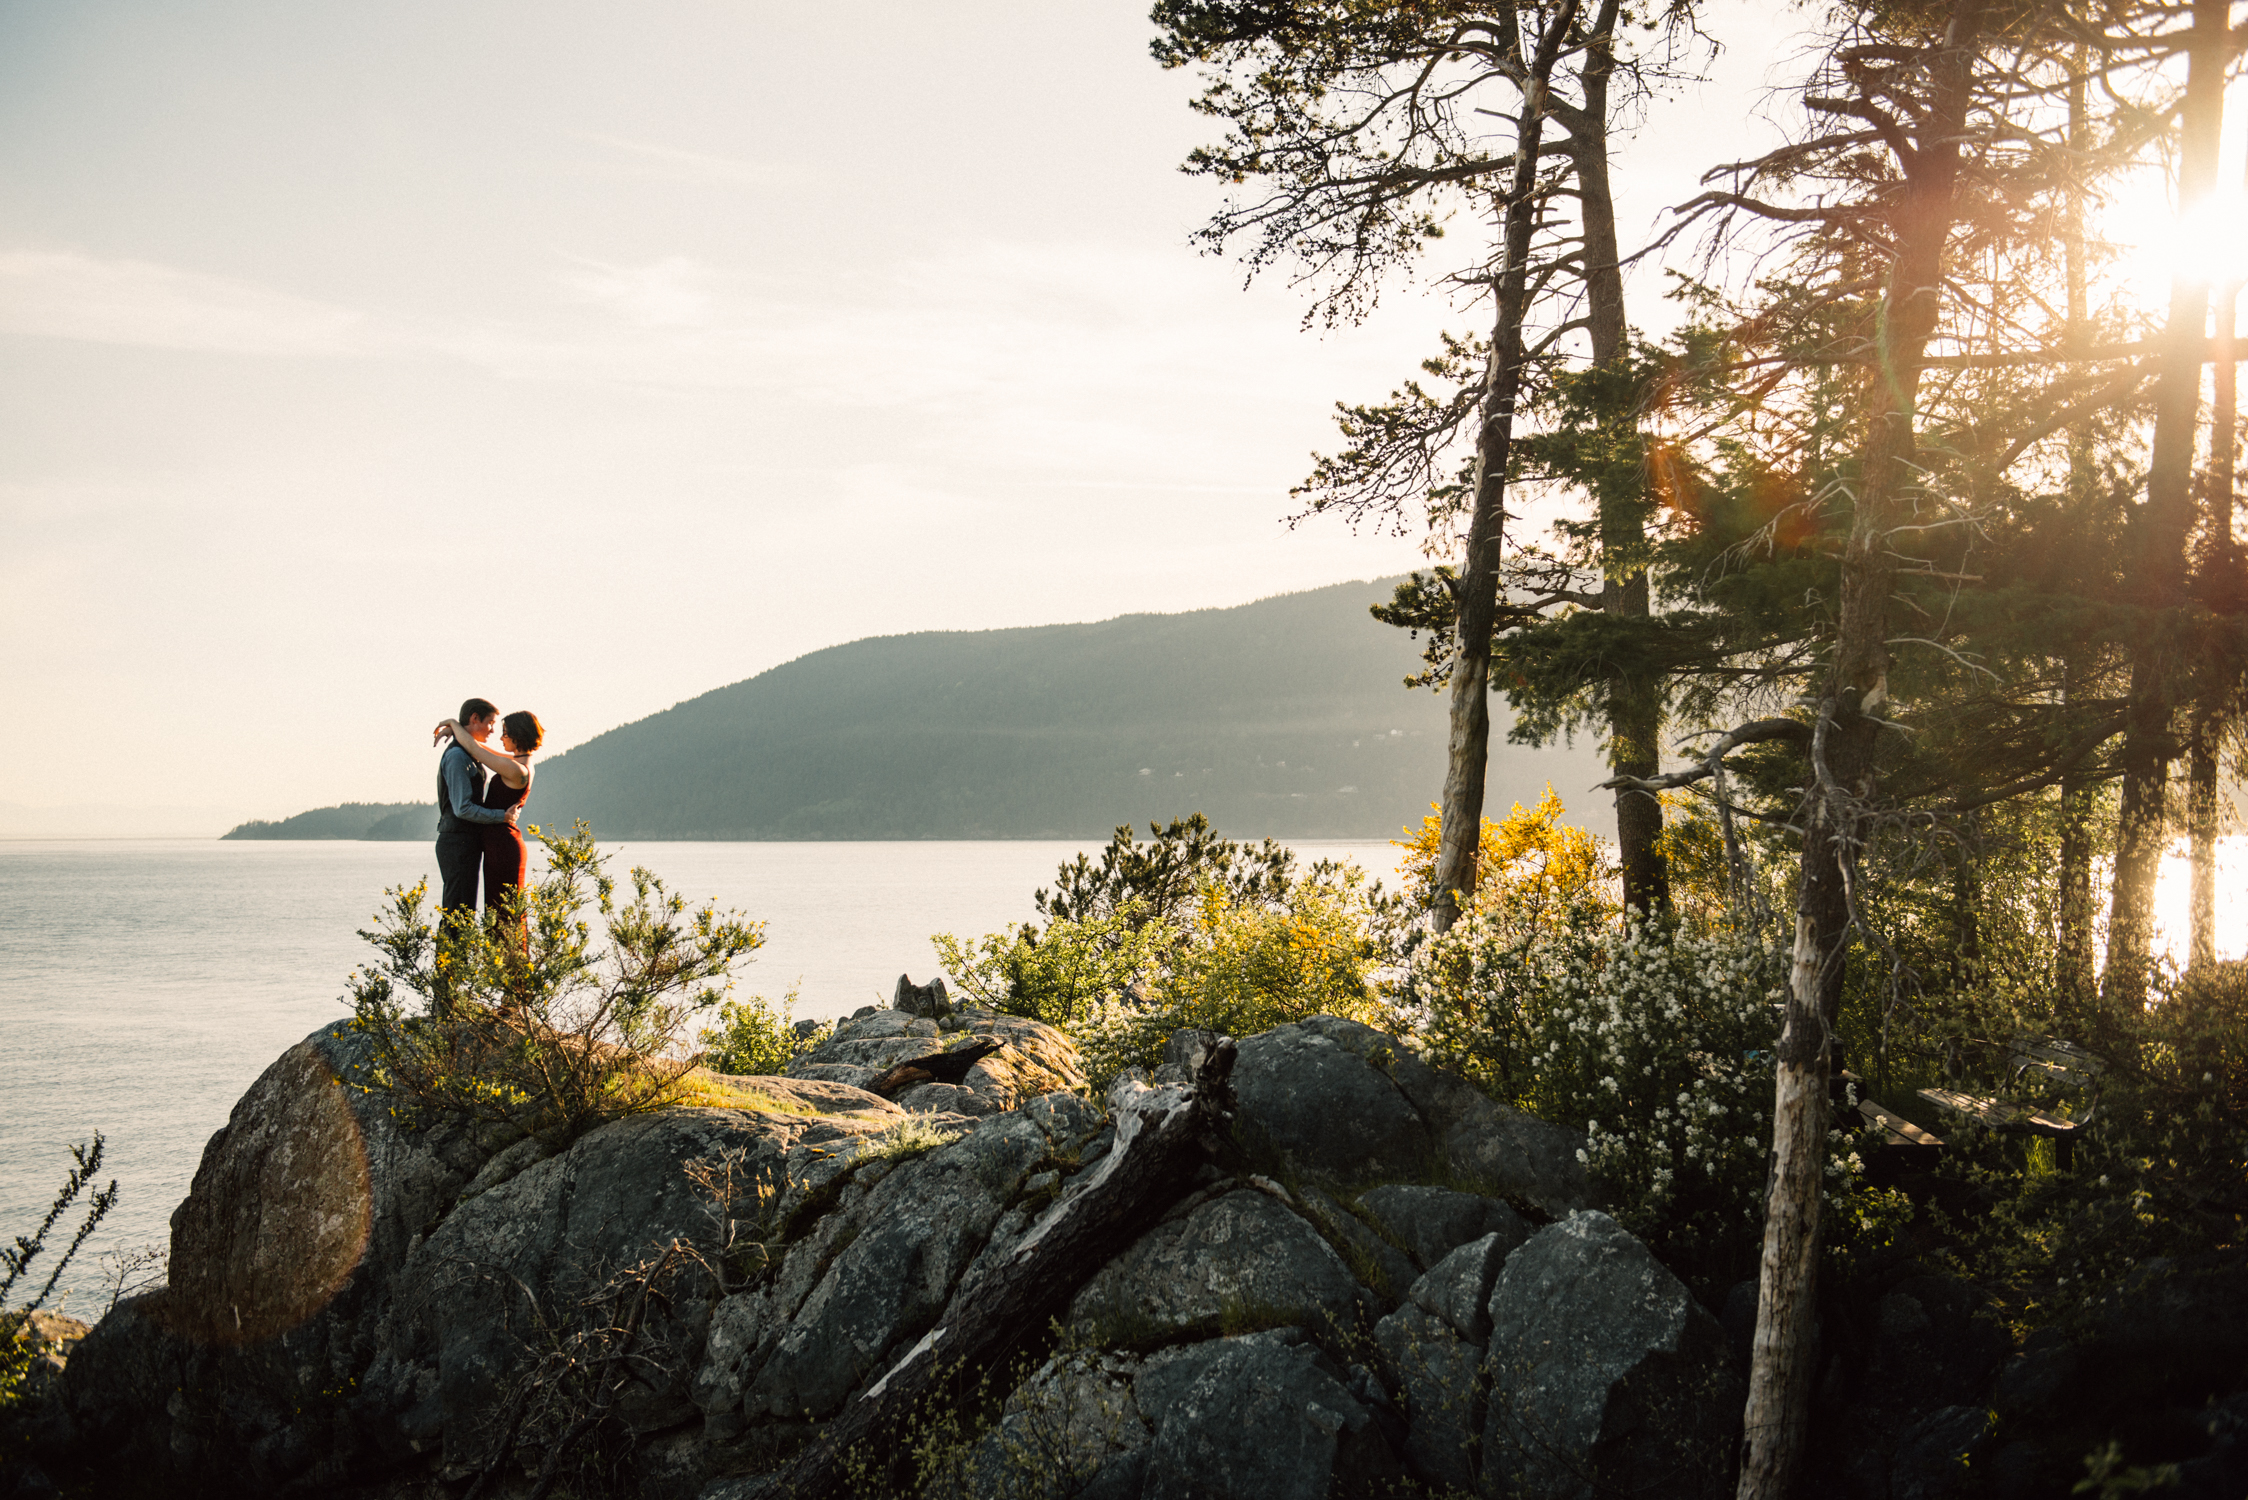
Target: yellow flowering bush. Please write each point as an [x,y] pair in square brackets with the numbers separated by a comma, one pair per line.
[1532,869]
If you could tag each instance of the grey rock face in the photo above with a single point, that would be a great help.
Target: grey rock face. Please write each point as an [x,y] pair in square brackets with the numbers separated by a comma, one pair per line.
[1375,1261]
[1433,1222]
[1350,1104]
[815,1095]
[1438,1375]
[1458,1287]
[1935,1459]
[919,1229]
[925,1000]
[1239,1255]
[1069,1120]
[1037,1059]
[1311,1090]
[849,1075]
[1061,1430]
[879,1040]
[1164,1377]
[952,1098]
[1606,1375]
[1265,1421]
[521,1257]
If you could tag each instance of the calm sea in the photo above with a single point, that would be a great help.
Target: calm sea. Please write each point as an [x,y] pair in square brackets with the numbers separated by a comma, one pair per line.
[144,985]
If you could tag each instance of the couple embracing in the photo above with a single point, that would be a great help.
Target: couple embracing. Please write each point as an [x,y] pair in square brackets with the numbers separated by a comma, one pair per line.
[480,792]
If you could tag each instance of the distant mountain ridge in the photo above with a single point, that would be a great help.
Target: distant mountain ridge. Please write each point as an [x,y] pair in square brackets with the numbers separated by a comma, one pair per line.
[350,820]
[1285,717]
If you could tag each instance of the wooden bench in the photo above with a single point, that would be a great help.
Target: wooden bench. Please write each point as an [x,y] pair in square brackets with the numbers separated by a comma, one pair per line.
[1901,1141]
[2067,1074]
[1900,1144]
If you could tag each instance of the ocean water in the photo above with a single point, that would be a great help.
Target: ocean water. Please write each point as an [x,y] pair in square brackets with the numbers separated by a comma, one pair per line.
[145,985]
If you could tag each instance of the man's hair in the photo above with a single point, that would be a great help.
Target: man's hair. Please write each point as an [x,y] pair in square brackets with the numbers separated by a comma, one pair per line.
[477,708]
[523,729]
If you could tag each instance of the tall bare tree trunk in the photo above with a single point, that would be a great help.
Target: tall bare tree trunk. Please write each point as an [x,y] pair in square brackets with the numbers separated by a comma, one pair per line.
[2075,976]
[1634,701]
[2209,718]
[2164,524]
[1843,778]
[1468,747]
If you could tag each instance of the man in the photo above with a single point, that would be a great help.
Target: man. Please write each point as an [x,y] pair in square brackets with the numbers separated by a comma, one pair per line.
[460,794]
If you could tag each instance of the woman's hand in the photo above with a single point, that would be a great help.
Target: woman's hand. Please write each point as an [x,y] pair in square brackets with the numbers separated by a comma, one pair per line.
[449,729]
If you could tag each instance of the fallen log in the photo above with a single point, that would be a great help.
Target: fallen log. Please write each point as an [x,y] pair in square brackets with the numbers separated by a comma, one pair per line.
[1162,1136]
[937,1067]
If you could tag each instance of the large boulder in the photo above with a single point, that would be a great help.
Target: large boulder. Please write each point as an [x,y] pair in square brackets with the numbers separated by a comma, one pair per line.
[1432,1222]
[1439,1379]
[357,1305]
[283,1258]
[1263,1419]
[909,1242]
[1606,1376]
[1345,1103]
[1233,1260]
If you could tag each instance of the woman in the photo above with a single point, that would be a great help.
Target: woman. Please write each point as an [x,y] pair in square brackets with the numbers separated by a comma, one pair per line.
[504,855]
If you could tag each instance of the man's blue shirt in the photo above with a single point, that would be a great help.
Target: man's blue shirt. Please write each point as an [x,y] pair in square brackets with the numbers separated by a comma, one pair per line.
[459,770]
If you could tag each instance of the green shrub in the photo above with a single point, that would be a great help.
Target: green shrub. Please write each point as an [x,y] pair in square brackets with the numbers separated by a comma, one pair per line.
[1065,974]
[1242,968]
[19,1335]
[530,1021]
[1146,918]
[2157,1168]
[756,1036]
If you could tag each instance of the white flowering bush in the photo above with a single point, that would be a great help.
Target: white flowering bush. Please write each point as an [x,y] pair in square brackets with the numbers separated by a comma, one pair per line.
[1657,1042]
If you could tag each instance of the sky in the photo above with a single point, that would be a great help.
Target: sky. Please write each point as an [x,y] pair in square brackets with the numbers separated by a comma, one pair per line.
[356,359]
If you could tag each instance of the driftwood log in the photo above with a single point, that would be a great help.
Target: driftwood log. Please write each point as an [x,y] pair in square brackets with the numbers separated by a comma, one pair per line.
[1162,1136]
[937,1067]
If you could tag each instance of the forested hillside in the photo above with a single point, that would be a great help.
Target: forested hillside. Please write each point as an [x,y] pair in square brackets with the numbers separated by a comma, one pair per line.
[351,820]
[1286,717]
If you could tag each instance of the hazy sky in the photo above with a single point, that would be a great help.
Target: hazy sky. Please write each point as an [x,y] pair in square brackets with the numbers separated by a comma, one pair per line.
[588,357]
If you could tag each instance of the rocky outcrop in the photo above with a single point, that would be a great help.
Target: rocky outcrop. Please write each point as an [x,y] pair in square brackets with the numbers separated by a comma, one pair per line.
[927,1000]
[1348,1104]
[1606,1375]
[284,1260]
[759,1271]
[1035,1060]
[1237,1258]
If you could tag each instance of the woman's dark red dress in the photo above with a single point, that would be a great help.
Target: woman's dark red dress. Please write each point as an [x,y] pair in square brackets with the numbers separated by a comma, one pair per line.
[504,855]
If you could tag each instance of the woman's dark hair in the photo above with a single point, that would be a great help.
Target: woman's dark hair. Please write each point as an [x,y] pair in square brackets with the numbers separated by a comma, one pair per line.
[523,729]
